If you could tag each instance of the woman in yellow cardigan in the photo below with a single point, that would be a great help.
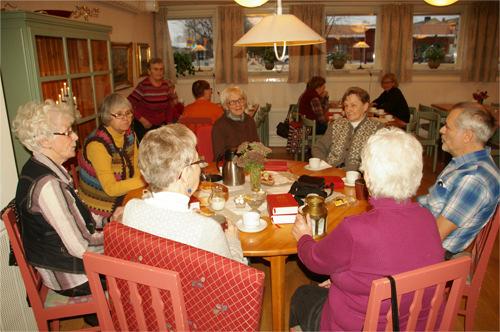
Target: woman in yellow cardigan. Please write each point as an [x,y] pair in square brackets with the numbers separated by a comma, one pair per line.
[108,160]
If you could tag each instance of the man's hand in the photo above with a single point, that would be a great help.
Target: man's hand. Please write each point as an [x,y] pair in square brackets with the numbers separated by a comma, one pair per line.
[302,226]
[445,227]
[145,123]
[231,230]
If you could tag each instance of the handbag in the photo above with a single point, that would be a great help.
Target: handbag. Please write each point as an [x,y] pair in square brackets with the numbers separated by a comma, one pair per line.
[283,128]
[306,185]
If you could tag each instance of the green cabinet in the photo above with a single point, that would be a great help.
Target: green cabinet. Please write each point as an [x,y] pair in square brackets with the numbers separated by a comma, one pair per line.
[42,54]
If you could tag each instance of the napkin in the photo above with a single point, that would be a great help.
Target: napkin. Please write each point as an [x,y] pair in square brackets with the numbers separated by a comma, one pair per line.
[336,180]
[276,165]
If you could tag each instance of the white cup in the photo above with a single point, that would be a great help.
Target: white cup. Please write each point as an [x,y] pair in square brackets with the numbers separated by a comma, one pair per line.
[314,163]
[380,111]
[251,219]
[352,176]
[373,109]
[389,117]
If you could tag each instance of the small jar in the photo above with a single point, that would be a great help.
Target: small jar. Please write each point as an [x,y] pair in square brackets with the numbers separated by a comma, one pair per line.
[217,200]
[315,207]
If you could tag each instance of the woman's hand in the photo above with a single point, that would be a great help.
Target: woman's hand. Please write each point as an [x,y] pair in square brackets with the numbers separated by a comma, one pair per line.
[118,214]
[325,284]
[231,230]
[302,226]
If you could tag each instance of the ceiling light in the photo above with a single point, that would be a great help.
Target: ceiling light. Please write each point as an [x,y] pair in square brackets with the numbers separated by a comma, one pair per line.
[251,3]
[440,3]
[280,30]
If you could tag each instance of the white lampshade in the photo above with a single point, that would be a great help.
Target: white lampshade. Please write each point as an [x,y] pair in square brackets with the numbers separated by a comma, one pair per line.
[251,3]
[440,3]
[361,44]
[198,48]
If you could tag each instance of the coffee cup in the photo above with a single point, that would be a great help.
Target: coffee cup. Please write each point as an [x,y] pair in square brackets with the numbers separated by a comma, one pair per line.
[314,163]
[251,219]
[380,111]
[373,109]
[361,190]
[352,176]
[389,117]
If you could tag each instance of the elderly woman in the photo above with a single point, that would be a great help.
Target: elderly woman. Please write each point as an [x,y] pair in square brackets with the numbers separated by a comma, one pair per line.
[397,235]
[108,162]
[345,138]
[57,226]
[313,103]
[392,100]
[234,126]
[170,164]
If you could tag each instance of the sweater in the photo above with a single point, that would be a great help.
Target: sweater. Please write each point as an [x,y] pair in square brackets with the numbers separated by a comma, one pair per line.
[229,134]
[202,108]
[393,102]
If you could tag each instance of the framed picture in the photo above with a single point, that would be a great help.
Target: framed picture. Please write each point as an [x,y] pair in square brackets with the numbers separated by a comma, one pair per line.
[121,58]
[142,57]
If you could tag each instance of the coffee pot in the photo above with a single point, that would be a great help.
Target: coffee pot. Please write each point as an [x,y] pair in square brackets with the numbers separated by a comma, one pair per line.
[232,174]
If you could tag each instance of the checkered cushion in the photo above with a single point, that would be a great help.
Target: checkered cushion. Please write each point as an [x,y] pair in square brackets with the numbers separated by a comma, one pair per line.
[220,294]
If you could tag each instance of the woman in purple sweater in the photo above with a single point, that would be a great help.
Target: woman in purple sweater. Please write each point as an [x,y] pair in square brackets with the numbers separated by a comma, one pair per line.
[396,235]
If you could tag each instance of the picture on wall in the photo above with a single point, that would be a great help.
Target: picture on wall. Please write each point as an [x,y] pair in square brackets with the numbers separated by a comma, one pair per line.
[142,58]
[121,58]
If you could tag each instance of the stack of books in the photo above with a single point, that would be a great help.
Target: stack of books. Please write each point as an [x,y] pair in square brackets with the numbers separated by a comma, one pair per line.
[282,208]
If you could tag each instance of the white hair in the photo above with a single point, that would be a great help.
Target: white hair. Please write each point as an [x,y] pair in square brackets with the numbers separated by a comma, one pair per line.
[392,164]
[477,118]
[227,92]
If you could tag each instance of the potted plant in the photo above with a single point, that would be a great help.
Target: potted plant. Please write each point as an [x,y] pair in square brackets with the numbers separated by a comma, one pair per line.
[269,58]
[183,64]
[434,55]
[338,59]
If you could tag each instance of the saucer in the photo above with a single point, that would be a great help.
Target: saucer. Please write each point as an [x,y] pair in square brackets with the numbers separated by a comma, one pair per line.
[320,168]
[347,183]
[262,225]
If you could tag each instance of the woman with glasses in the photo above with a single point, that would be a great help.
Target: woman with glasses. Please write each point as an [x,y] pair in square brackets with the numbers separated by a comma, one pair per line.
[391,100]
[108,160]
[171,166]
[234,126]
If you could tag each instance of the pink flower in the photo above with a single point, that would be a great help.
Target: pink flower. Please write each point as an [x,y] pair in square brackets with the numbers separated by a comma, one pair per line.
[251,155]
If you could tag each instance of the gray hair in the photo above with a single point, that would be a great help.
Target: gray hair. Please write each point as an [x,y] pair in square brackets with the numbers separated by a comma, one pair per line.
[34,120]
[163,154]
[392,162]
[475,117]
[227,92]
[109,104]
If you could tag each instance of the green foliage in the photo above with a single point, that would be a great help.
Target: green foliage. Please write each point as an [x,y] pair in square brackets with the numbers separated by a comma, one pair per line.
[337,56]
[434,52]
[183,64]
[268,55]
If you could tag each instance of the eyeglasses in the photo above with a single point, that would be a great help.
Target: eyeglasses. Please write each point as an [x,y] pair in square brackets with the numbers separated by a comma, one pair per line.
[68,132]
[122,116]
[236,101]
[200,162]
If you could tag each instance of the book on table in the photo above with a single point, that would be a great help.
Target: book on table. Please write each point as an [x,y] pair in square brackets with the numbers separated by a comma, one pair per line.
[282,208]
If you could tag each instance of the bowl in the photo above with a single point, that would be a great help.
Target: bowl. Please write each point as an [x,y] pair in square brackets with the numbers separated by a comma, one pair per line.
[255,199]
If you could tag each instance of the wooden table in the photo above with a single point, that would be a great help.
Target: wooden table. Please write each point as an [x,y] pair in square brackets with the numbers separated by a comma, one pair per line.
[274,244]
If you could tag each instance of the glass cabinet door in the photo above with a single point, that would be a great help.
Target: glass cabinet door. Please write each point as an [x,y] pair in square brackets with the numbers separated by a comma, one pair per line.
[78,55]
[50,53]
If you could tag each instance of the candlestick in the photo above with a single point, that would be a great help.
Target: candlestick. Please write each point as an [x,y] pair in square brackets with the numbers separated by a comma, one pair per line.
[59,98]
[74,100]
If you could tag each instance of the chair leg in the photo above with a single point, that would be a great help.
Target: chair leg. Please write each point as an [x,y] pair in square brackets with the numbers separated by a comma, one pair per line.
[470,312]
[434,161]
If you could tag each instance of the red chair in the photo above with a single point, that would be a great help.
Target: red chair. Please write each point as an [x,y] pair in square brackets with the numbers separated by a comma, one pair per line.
[195,123]
[220,294]
[451,273]
[481,252]
[204,147]
[48,306]
[143,285]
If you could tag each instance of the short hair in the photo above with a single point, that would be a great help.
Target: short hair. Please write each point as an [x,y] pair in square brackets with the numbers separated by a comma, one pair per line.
[198,88]
[109,104]
[354,90]
[164,153]
[392,77]
[392,164]
[232,90]
[34,121]
[315,82]
[154,61]
[477,118]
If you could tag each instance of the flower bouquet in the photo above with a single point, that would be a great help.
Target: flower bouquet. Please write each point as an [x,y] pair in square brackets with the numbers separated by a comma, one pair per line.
[480,96]
[251,156]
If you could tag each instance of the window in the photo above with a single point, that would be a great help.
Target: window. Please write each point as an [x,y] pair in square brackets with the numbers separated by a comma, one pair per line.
[439,31]
[193,39]
[343,36]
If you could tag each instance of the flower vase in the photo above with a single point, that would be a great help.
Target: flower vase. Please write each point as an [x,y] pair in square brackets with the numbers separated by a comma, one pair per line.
[255,178]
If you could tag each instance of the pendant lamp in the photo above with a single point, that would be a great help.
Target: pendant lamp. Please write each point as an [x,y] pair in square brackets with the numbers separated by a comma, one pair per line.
[440,3]
[251,3]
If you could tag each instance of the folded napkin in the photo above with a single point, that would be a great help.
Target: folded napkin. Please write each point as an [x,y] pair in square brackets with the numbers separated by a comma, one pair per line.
[276,165]
[336,180]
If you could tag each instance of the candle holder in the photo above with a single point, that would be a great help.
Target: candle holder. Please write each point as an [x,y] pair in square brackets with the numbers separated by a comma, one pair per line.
[67,97]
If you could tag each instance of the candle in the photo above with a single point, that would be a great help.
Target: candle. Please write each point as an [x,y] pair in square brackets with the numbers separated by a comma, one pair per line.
[59,98]
[74,100]
[64,87]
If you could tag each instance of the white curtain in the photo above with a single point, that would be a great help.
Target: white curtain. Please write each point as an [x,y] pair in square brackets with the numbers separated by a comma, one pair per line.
[164,47]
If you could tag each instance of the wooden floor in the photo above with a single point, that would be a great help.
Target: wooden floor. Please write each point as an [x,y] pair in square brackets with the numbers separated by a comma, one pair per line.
[487,315]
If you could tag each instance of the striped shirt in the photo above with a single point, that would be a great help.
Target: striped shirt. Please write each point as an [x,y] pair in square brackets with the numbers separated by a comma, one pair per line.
[466,193]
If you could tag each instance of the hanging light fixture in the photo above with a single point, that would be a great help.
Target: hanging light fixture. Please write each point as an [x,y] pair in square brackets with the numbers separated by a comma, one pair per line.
[280,30]
[251,3]
[440,3]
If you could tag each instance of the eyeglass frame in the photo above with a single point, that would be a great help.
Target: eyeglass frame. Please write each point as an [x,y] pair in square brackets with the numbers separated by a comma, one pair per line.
[201,162]
[68,132]
[234,102]
[122,116]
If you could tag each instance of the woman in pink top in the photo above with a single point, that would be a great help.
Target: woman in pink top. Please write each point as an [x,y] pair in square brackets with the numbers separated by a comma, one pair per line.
[396,235]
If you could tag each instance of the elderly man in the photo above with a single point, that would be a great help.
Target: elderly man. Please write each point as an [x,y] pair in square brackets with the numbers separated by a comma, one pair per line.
[154,100]
[466,192]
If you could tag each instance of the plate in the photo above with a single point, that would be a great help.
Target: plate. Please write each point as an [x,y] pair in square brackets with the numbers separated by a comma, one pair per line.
[320,168]
[243,228]
[347,183]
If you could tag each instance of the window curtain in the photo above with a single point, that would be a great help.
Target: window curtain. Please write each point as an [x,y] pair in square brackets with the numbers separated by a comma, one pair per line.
[310,60]
[396,27]
[164,45]
[480,32]
[230,61]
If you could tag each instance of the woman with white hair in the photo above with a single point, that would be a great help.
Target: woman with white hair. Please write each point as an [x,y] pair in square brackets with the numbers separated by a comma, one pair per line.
[108,161]
[57,227]
[396,235]
[234,126]
[171,166]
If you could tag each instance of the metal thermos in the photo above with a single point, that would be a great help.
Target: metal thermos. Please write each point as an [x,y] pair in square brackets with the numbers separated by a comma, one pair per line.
[315,207]
[232,175]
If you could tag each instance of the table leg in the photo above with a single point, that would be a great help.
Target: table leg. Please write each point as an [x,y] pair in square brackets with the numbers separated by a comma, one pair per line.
[278,290]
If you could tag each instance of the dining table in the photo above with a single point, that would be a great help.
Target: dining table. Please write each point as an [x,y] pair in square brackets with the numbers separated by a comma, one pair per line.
[276,243]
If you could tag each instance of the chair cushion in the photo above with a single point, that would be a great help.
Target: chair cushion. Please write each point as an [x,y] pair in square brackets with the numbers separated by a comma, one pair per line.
[54,299]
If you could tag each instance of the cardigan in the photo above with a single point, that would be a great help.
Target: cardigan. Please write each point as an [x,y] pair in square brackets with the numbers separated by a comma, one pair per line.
[229,134]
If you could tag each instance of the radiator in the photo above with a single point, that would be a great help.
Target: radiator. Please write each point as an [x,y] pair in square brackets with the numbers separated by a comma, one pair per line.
[15,315]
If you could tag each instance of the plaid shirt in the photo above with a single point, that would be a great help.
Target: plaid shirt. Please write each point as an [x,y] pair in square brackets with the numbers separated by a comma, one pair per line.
[466,193]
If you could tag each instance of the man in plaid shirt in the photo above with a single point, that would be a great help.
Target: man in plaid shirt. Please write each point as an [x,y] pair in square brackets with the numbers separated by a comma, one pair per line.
[466,193]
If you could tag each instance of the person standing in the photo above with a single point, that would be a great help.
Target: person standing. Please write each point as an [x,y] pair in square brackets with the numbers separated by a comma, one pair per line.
[154,100]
